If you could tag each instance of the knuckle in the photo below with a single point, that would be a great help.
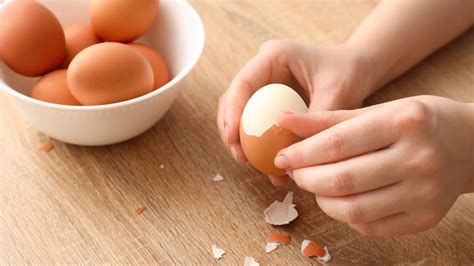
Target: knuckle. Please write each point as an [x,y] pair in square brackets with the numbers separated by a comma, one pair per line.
[366,229]
[335,145]
[413,115]
[275,46]
[299,179]
[328,116]
[427,161]
[430,193]
[342,183]
[426,222]
[295,156]
[353,213]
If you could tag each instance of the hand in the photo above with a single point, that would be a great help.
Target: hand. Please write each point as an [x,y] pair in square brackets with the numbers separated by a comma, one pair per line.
[390,169]
[330,77]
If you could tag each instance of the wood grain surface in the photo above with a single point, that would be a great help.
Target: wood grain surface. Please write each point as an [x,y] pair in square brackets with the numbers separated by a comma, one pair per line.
[77,204]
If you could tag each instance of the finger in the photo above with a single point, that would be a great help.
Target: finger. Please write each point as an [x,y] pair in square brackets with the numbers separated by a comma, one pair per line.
[305,125]
[278,181]
[367,207]
[359,174]
[362,134]
[238,153]
[397,224]
[220,120]
[265,68]
[235,149]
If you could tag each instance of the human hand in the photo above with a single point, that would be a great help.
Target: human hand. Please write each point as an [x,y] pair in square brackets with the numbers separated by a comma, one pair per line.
[330,77]
[390,169]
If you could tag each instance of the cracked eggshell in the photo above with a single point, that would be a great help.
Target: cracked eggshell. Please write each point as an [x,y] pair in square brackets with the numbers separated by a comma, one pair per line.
[260,136]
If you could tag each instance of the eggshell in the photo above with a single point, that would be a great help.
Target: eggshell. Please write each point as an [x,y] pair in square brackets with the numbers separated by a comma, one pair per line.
[53,88]
[107,73]
[78,37]
[31,38]
[158,64]
[122,20]
[260,136]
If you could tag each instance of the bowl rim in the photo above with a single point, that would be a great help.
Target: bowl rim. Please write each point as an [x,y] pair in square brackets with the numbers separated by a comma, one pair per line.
[180,76]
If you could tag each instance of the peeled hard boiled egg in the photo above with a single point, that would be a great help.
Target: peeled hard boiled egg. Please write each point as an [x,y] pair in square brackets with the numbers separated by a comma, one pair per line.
[122,20]
[108,73]
[260,135]
[31,38]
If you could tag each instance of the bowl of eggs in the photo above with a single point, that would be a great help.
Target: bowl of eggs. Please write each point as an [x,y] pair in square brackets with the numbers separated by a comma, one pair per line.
[96,72]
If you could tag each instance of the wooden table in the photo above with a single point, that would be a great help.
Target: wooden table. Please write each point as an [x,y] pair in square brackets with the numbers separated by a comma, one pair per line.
[76,204]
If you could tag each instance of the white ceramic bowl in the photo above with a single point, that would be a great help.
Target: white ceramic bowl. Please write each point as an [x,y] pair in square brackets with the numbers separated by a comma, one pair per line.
[178,34]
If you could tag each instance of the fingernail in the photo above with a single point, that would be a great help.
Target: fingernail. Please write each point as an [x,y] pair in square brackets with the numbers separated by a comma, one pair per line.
[290,174]
[226,132]
[282,162]
[233,151]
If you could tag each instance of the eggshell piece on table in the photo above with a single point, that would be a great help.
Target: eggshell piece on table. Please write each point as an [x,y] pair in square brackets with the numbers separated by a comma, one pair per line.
[261,137]
[78,38]
[53,88]
[158,64]
[108,73]
[281,212]
[279,237]
[32,40]
[217,252]
[45,146]
[311,249]
[140,210]
[122,20]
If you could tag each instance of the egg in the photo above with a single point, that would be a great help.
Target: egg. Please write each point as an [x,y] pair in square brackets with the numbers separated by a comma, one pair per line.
[158,64]
[122,20]
[32,40]
[261,137]
[108,73]
[53,88]
[78,37]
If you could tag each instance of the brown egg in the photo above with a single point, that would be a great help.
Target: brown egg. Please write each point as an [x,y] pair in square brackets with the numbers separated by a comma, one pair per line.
[122,20]
[108,73]
[261,151]
[78,37]
[158,64]
[31,38]
[260,136]
[53,88]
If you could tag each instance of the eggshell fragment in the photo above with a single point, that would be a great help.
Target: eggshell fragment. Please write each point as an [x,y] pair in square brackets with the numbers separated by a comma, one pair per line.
[108,73]
[31,38]
[311,249]
[249,261]
[261,137]
[122,20]
[217,178]
[280,213]
[217,253]
[158,64]
[279,237]
[45,146]
[53,88]
[271,246]
[275,239]
[140,210]
[78,38]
